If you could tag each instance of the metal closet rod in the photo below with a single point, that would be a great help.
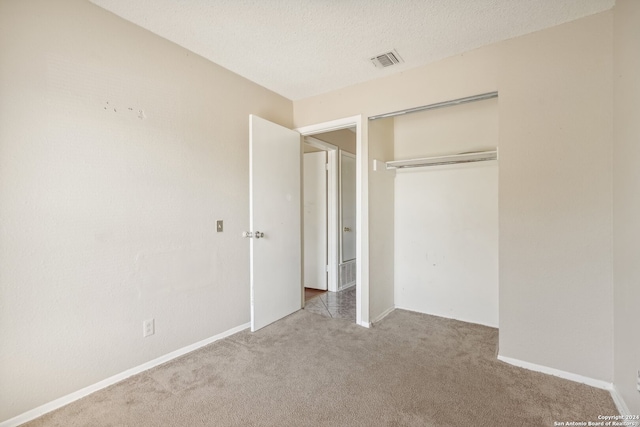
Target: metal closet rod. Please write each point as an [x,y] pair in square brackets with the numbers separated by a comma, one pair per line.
[442,104]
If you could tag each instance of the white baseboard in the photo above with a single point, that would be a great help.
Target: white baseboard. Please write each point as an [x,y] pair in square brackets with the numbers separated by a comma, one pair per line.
[621,405]
[65,400]
[617,399]
[557,373]
[382,315]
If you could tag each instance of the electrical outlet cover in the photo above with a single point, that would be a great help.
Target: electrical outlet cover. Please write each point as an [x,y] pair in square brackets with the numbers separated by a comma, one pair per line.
[148,328]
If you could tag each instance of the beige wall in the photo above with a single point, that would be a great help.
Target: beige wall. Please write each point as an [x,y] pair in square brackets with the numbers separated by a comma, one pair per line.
[381,220]
[108,218]
[555,180]
[626,205]
[344,139]
[555,198]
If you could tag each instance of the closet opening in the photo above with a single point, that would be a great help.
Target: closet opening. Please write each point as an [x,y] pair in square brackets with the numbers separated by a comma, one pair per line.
[445,207]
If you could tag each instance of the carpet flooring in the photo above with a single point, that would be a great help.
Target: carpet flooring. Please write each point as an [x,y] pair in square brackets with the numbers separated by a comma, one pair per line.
[307,370]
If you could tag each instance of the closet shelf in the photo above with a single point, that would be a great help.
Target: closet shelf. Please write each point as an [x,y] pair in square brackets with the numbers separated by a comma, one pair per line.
[477,156]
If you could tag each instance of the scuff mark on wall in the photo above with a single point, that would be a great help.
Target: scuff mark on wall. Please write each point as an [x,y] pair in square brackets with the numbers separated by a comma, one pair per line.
[130,111]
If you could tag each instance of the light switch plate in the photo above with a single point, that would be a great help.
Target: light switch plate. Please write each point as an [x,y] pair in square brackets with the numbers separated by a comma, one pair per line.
[219,226]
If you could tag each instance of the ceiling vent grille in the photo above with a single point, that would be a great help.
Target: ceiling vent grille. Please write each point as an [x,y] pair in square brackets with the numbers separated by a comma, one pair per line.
[387,59]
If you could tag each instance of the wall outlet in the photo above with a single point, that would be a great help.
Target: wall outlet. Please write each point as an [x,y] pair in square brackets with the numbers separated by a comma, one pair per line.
[148,327]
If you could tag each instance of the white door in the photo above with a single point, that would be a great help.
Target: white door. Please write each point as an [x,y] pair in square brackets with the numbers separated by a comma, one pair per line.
[275,221]
[315,220]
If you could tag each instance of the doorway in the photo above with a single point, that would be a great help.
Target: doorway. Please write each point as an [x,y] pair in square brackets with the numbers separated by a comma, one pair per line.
[320,207]
[360,288]
[329,232]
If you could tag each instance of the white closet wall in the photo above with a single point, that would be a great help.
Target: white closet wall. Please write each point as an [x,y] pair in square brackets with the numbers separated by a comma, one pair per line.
[446,217]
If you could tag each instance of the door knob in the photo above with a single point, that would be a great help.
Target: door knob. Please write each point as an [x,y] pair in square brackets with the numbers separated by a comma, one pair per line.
[250,234]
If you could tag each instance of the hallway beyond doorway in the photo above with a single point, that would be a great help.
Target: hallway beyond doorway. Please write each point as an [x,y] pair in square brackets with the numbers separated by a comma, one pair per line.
[337,305]
[310,293]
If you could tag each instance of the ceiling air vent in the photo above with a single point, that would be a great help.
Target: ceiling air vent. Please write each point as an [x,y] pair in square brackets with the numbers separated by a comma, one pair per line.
[386,59]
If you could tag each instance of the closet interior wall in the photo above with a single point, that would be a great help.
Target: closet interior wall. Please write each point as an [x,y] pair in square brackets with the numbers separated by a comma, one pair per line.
[446,217]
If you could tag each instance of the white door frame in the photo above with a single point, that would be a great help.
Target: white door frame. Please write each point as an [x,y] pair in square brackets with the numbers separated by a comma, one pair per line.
[362,208]
[332,209]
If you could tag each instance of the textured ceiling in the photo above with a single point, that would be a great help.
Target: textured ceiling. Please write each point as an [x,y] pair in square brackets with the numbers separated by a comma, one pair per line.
[300,48]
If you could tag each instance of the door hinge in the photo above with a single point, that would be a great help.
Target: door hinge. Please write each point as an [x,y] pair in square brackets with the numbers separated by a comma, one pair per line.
[327,268]
[326,166]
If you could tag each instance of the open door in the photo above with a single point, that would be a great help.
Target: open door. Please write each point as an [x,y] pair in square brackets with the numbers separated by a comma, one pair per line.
[275,221]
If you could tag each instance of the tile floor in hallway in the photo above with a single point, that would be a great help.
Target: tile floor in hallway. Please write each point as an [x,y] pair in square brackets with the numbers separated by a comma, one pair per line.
[338,305]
